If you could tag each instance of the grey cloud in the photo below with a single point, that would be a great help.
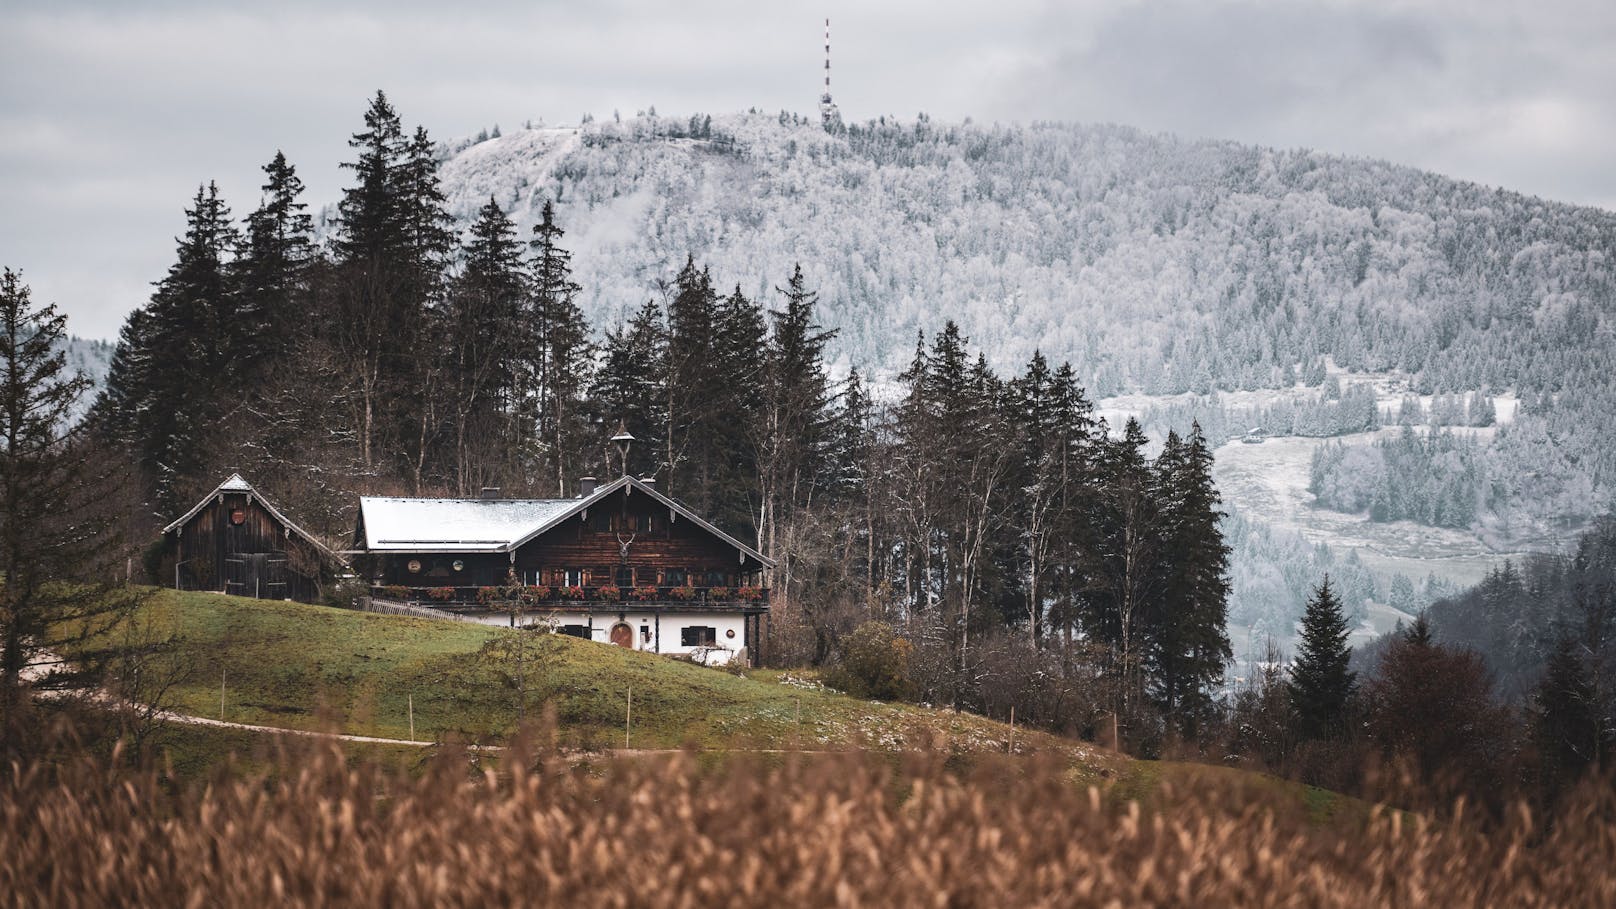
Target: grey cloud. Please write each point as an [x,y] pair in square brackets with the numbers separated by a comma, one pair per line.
[111,114]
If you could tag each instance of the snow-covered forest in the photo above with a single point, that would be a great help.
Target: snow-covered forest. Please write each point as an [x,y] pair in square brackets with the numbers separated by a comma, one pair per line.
[1155,265]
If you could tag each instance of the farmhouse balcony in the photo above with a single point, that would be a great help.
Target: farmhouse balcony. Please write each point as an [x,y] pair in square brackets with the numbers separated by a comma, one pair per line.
[582,598]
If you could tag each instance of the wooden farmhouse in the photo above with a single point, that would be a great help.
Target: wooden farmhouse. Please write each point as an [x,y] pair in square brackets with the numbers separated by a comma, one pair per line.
[234,541]
[620,564]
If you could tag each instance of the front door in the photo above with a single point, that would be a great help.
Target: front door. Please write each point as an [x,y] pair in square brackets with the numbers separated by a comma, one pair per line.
[623,636]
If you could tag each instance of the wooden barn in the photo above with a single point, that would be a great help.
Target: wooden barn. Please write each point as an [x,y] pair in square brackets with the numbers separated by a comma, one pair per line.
[620,563]
[234,541]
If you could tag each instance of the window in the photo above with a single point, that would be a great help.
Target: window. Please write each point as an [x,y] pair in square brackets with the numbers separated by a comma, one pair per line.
[716,579]
[656,524]
[577,631]
[574,577]
[625,576]
[698,636]
[674,577]
[600,521]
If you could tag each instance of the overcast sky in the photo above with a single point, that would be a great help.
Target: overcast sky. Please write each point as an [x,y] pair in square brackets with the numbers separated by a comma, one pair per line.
[111,113]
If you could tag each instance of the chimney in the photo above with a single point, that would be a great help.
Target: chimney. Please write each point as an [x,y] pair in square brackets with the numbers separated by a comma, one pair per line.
[490,492]
[649,481]
[586,487]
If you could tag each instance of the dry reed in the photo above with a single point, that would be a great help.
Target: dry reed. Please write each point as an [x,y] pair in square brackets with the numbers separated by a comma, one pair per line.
[817,831]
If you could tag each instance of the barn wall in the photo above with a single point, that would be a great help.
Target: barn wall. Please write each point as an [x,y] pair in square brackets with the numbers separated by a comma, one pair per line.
[257,557]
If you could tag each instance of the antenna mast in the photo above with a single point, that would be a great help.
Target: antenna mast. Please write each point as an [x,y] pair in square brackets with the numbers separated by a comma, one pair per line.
[829,116]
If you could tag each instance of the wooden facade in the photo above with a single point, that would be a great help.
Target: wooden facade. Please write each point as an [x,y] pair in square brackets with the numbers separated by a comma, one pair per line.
[234,541]
[625,536]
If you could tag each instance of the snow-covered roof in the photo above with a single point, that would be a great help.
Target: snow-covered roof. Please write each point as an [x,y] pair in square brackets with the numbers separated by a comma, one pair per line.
[453,525]
[494,525]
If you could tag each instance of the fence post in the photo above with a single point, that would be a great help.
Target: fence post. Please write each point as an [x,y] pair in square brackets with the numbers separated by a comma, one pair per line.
[628,716]
[221,694]
[411,699]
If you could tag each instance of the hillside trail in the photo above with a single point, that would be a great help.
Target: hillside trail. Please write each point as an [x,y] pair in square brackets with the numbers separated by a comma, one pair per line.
[41,665]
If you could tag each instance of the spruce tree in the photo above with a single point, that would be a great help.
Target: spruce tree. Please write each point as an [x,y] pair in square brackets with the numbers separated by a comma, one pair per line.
[1568,722]
[479,322]
[630,389]
[54,529]
[171,376]
[1321,684]
[272,274]
[1190,645]
[565,360]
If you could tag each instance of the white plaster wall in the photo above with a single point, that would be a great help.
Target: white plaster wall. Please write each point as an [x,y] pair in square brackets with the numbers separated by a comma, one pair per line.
[671,624]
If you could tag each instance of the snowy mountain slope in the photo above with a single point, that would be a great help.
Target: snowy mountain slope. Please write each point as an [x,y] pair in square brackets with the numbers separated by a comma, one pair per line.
[92,358]
[1154,264]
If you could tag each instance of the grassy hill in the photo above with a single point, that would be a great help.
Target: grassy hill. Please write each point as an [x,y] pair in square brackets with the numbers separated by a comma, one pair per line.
[316,668]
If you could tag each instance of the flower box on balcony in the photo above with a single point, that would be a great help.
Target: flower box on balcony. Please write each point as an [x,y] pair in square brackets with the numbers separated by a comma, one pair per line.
[683,592]
[608,592]
[646,593]
[749,593]
[441,594]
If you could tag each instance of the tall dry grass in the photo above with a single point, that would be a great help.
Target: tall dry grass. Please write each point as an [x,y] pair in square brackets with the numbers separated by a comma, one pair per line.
[666,831]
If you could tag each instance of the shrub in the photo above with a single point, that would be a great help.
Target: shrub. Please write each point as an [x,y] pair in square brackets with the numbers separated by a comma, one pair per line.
[874,664]
[486,595]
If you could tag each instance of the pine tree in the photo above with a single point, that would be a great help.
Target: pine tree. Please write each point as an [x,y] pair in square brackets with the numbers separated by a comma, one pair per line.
[479,322]
[392,253]
[566,356]
[178,373]
[53,528]
[794,432]
[271,275]
[630,389]
[1190,645]
[1321,685]
[1568,722]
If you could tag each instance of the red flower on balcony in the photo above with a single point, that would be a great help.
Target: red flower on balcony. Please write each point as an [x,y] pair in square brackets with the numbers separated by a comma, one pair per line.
[573,593]
[536,594]
[441,594]
[749,593]
[608,592]
[647,592]
[683,592]
[719,593]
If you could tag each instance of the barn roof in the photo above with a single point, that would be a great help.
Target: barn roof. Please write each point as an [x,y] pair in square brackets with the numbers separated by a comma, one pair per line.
[495,525]
[236,484]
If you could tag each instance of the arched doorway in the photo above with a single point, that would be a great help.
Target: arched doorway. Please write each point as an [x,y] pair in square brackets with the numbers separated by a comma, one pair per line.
[623,635]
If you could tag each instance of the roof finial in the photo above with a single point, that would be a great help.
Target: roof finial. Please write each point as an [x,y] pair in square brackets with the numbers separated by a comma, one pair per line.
[623,440]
